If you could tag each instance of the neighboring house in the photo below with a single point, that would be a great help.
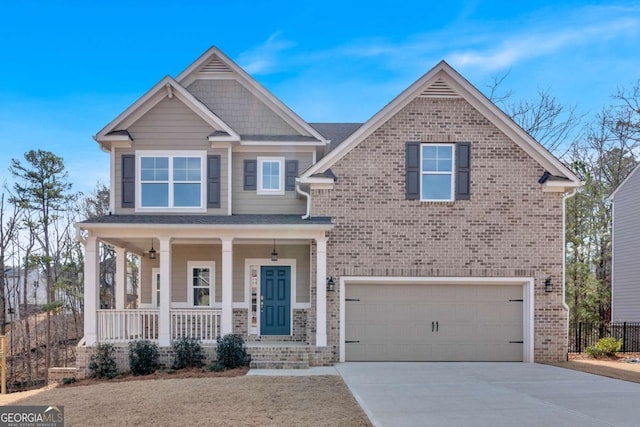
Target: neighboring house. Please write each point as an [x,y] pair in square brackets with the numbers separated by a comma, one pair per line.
[15,292]
[426,233]
[625,283]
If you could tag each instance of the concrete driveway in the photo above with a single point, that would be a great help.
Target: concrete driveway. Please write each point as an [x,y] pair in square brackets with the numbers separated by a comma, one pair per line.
[489,394]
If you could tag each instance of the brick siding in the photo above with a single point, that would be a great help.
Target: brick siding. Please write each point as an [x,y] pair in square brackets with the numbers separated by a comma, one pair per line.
[508,228]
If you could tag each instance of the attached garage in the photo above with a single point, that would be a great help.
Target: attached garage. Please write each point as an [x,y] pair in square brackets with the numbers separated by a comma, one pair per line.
[436,319]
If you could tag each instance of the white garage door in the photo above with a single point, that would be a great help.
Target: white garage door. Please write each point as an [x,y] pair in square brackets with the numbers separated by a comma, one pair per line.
[425,322]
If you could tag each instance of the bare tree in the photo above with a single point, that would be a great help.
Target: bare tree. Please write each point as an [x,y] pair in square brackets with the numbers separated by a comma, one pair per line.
[9,216]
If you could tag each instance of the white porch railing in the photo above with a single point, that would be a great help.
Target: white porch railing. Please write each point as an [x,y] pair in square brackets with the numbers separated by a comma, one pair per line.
[127,325]
[199,324]
[118,326]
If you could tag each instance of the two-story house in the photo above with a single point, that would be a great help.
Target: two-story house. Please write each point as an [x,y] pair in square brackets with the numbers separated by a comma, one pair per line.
[434,231]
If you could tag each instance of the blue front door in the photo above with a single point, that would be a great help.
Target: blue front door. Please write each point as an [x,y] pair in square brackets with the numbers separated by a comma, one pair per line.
[275,291]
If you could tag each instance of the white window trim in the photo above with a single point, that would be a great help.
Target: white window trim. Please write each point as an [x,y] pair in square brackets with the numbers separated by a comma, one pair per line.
[171,154]
[266,262]
[211,265]
[452,173]
[260,190]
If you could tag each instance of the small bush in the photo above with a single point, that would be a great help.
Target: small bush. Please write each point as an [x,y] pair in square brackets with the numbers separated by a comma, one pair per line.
[188,354]
[143,357]
[606,347]
[231,351]
[102,363]
[68,380]
[215,367]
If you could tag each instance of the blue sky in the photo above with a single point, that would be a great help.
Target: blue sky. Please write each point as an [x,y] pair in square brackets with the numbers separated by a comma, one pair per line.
[68,68]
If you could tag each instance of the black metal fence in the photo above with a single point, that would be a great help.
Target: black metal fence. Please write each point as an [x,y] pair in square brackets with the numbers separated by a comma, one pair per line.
[585,334]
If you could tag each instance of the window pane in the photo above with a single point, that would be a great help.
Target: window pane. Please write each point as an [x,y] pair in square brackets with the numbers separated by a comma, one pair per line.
[444,165]
[201,277]
[154,168]
[270,175]
[429,152]
[429,165]
[436,187]
[201,296]
[186,195]
[445,152]
[180,163]
[155,195]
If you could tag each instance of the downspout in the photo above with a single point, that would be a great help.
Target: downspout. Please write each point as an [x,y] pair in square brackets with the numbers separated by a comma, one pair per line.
[564,245]
[308,197]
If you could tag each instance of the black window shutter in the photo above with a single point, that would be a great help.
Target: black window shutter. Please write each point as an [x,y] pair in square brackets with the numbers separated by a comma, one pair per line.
[128,181]
[463,171]
[412,171]
[250,174]
[291,173]
[213,181]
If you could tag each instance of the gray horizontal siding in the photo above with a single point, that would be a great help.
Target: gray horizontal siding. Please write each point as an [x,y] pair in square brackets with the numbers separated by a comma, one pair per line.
[626,258]
[249,202]
[171,125]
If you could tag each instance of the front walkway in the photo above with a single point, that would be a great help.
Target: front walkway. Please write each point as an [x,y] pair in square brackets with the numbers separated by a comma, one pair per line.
[489,394]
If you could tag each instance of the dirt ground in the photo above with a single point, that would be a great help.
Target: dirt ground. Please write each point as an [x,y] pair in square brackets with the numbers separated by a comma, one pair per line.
[203,401]
[617,367]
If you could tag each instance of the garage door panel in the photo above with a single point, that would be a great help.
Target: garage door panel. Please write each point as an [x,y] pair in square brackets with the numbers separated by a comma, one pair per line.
[433,322]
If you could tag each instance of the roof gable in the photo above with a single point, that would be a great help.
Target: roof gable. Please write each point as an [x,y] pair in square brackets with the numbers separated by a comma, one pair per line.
[626,181]
[115,131]
[443,81]
[214,64]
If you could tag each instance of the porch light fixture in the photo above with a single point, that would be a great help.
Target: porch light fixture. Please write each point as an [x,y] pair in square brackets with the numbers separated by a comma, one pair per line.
[152,252]
[548,285]
[274,254]
[331,285]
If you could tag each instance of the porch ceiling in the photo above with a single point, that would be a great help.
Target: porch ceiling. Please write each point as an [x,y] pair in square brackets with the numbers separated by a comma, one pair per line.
[134,232]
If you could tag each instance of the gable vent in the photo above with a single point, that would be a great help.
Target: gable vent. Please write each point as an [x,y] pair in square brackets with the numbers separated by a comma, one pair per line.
[439,89]
[214,65]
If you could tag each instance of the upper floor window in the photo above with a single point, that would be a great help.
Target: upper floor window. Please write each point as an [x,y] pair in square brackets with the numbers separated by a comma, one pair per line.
[271,175]
[436,182]
[171,180]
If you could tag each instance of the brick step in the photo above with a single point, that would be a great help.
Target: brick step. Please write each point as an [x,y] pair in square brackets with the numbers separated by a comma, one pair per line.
[279,354]
[277,364]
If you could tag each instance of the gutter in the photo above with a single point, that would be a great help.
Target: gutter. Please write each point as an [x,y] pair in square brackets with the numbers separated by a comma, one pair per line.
[307,215]
[79,237]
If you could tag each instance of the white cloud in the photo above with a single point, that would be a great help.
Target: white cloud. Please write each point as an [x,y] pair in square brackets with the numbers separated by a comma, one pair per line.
[265,58]
[521,47]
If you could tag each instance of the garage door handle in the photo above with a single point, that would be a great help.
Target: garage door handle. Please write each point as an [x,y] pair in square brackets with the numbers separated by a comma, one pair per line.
[437,326]
[433,325]
[516,342]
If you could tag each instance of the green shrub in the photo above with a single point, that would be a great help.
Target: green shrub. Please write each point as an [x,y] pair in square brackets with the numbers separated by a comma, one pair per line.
[215,367]
[188,354]
[68,380]
[143,357]
[231,351]
[606,347]
[102,363]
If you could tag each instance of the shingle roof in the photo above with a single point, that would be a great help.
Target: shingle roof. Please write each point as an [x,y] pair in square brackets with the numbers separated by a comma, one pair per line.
[208,220]
[336,132]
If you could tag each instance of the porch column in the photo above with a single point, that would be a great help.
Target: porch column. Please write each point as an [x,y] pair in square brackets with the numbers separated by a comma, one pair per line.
[121,278]
[91,293]
[321,292]
[227,286]
[164,317]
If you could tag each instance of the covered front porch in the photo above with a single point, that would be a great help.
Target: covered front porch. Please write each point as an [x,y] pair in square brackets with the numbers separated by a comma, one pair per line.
[203,276]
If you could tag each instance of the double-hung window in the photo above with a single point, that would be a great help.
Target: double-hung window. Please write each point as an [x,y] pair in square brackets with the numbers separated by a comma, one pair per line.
[271,175]
[437,172]
[201,283]
[171,180]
